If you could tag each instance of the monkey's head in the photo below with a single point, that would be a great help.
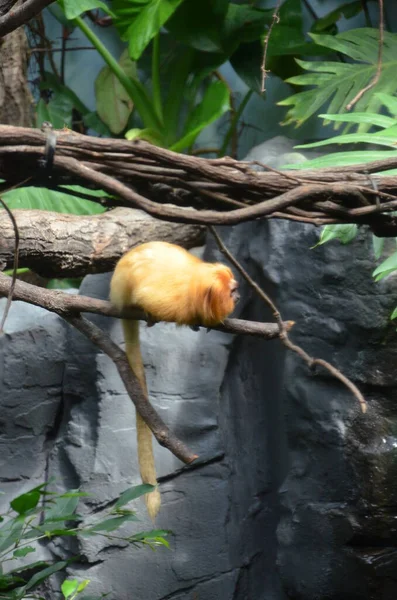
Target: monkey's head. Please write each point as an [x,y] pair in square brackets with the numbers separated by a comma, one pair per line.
[219,294]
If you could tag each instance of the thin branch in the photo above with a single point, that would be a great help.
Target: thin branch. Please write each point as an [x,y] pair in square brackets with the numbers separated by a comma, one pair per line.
[310,361]
[70,307]
[68,50]
[379,61]
[275,20]
[21,15]
[15,263]
[64,304]
[208,217]
[160,430]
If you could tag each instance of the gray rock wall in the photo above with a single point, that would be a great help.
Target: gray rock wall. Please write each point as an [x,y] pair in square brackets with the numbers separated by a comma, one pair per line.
[337,534]
[294,495]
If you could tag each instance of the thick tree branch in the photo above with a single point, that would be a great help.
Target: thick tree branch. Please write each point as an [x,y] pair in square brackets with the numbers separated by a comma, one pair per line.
[21,15]
[190,189]
[6,5]
[61,245]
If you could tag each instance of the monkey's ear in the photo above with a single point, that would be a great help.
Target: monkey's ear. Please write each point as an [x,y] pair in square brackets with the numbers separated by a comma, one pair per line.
[214,310]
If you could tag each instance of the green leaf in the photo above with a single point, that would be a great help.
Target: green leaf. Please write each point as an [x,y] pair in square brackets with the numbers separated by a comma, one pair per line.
[200,24]
[215,103]
[21,570]
[394,314]
[7,581]
[291,12]
[245,62]
[114,105]
[75,495]
[353,138]
[62,509]
[58,14]
[57,111]
[90,119]
[386,267]
[152,533]
[377,245]
[71,517]
[50,531]
[45,574]
[342,159]
[343,233]
[153,538]
[136,91]
[134,492]
[246,23]
[337,83]
[74,8]
[111,524]
[69,587]
[25,502]
[93,121]
[83,584]
[149,135]
[21,552]
[44,199]
[361,118]
[140,21]
[349,10]
[389,101]
[178,71]
[64,284]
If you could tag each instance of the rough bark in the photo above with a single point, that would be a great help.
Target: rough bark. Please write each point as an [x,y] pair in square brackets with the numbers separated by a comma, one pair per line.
[20,15]
[230,191]
[15,97]
[62,245]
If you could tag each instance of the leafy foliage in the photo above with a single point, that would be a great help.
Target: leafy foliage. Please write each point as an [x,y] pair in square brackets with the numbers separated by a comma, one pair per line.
[114,105]
[179,44]
[44,199]
[385,135]
[336,83]
[344,233]
[71,588]
[40,515]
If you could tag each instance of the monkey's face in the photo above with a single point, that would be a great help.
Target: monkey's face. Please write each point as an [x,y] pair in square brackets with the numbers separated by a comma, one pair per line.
[220,294]
[234,293]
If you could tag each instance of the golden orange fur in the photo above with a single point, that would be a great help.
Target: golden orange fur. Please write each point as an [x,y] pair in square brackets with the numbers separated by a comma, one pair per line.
[169,284]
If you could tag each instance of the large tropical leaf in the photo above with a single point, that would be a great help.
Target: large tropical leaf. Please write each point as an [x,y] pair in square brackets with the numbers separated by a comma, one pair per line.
[44,199]
[384,136]
[335,84]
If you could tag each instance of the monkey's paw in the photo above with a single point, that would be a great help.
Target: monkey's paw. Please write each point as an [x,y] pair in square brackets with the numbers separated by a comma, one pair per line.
[150,320]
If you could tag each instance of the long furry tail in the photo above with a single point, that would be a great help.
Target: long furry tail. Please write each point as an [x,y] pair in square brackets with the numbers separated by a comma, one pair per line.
[145,438]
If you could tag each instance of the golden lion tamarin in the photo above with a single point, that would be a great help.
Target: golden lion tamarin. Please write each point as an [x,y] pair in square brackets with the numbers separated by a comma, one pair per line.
[169,284]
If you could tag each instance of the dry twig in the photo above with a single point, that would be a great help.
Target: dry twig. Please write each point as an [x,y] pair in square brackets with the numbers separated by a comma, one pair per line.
[70,307]
[275,20]
[160,430]
[310,361]
[15,263]
[379,61]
